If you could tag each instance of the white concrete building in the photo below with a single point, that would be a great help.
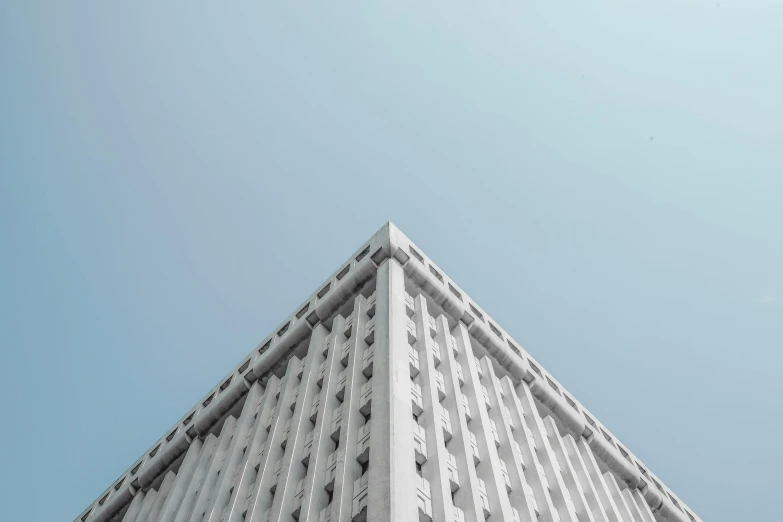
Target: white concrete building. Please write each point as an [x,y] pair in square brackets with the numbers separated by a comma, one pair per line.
[388,396]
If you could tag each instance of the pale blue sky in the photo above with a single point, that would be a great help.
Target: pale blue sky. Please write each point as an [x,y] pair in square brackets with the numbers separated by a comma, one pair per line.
[605,178]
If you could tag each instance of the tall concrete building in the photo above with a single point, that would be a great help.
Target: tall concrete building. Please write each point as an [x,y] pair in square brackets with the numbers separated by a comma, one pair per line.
[388,396]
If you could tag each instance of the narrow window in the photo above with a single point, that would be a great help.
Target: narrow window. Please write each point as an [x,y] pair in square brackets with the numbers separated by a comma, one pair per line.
[416,254]
[363,253]
[343,272]
[303,311]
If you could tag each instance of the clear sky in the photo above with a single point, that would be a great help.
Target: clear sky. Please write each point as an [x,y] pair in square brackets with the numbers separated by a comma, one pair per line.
[605,178]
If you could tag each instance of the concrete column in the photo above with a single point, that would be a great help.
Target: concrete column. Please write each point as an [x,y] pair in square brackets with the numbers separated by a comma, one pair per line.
[619,500]
[211,476]
[524,412]
[184,477]
[467,497]
[292,469]
[248,475]
[567,473]
[350,470]
[202,465]
[149,502]
[315,497]
[489,468]
[134,508]
[597,478]
[582,476]
[163,493]
[273,451]
[435,470]
[233,455]
[392,472]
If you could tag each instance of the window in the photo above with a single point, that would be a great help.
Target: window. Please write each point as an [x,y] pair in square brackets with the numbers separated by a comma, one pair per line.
[418,468]
[365,467]
[84,517]
[343,272]
[303,311]
[589,420]
[363,253]
[570,402]
[513,348]
[284,329]
[119,484]
[171,435]
[135,468]
[244,366]
[553,385]
[101,501]
[324,290]
[209,399]
[416,254]
[225,384]
[495,330]
[607,437]
[534,367]
[436,274]
[190,417]
[265,347]
[476,312]
[154,451]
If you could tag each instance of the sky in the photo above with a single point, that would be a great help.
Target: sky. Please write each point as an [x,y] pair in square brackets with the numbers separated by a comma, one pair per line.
[604,178]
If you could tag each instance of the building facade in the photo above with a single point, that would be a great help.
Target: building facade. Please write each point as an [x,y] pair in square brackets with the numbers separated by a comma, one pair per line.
[388,396]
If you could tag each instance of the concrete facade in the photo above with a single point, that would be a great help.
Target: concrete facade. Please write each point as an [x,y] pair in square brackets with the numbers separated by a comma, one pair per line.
[388,395]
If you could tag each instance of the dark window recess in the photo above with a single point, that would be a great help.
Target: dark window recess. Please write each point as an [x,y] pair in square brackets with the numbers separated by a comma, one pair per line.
[418,468]
[171,435]
[244,366]
[607,437]
[657,484]
[209,399]
[101,501]
[324,290]
[534,367]
[436,274]
[365,467]
[455,292]
[190,418]
[84,517]
[119,484]
[343,272]
[514,348]
[570,402]
[416,254]
[642,469]
[553,385]
[495,330]
[284,329]
[330,494]
[225,384]
[265,347]
[363,253]
[590,420]
[155,451]
[303,311]
[136,468]
[624,453]
[476,312]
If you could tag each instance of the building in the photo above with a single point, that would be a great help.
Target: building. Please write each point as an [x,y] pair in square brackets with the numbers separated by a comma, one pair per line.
[388,396]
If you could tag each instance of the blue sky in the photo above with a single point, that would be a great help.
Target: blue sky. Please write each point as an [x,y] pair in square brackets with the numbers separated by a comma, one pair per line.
[604,178]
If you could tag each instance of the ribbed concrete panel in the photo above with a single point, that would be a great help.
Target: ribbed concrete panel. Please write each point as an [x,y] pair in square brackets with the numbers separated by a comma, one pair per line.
[388,395]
